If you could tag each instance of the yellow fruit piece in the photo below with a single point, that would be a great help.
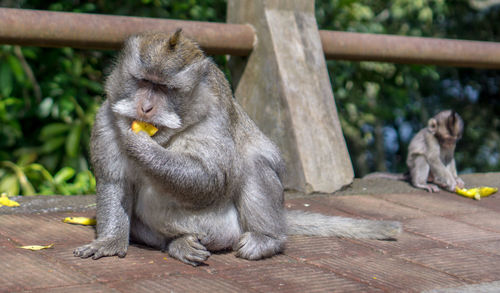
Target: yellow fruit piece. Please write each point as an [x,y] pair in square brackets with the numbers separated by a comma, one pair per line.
[476,192]
[5,201]
[80,221]
[36,247]
[149,128]
[466,192]
[487,191]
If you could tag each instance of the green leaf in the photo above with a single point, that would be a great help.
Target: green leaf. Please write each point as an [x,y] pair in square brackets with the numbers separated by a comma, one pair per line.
[10,185]
[92,85]
[52,145]
[84,183]
[45,107]
[6,83]
[77,67]
[50,161]
[54,129]
[29,53]
[26,186]
[16,68]
[27,158]
[64,175]
[73,141]
[40,168]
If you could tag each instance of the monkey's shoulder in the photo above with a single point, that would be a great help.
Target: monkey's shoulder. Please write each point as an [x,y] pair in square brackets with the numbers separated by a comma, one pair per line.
[105,153]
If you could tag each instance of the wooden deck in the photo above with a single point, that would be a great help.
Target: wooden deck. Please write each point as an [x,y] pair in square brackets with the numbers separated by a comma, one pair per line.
[449,244]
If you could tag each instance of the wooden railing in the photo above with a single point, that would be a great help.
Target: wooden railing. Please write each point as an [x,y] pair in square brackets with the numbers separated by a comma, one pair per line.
[93,31]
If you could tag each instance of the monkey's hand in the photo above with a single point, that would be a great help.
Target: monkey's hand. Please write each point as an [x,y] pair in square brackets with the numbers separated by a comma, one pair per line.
[460,182]
[430,187]
[448,183]
[102,247]
[137,144]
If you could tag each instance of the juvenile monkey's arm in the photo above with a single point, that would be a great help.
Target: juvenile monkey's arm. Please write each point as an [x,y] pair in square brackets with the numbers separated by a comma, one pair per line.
[442,175]
[192,178]
[453,170]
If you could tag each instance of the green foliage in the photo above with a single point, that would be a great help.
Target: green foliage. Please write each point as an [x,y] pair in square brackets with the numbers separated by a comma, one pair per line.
[382,105]
[45,129]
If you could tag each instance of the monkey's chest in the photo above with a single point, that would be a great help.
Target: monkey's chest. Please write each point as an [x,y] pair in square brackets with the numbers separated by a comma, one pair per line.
[446,157]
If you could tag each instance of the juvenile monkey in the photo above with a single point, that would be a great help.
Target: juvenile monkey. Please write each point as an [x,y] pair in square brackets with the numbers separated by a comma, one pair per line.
[431,155]
[208,180]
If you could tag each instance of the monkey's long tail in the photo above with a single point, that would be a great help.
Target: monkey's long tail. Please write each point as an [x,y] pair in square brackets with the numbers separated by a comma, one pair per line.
[393,176]
[305,223]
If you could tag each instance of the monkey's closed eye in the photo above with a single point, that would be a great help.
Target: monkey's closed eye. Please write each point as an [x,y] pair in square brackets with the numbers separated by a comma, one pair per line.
[163,87]
[140,81]
[167,89]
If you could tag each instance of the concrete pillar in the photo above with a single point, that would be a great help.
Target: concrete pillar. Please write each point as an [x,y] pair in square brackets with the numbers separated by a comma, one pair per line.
[284,87]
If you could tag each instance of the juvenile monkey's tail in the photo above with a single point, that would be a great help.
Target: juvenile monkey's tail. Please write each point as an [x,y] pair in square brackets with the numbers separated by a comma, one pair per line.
[305,223]
[393,176]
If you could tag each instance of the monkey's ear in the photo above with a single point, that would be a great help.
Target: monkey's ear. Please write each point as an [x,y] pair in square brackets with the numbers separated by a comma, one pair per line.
[432,125]
[174,40]
[453,117]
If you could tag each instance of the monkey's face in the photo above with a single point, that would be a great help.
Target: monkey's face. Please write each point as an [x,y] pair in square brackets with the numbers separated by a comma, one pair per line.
[448,127]
[154,79]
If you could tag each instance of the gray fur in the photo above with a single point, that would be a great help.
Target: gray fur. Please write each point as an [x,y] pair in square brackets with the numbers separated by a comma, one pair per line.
[385,175]
[212,181]
[431,155]
[305,223]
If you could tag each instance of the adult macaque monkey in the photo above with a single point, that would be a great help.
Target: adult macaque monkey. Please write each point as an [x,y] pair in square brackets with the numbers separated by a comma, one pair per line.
[208,180]
[431,155]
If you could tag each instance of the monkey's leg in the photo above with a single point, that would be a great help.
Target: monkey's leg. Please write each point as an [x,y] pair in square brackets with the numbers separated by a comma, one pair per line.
[420,173]
[141,233]
[113,222]
[261,215]
[188,249]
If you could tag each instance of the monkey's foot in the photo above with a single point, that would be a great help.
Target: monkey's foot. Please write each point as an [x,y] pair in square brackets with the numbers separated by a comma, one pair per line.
[255,246]
[432,188]
[429,187]
[102,247]
[188,249]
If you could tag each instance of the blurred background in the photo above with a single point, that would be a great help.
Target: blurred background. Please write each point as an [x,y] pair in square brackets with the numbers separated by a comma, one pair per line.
[48,97]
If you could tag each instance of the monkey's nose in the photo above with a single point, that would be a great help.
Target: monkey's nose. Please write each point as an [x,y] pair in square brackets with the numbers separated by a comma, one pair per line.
[146,108]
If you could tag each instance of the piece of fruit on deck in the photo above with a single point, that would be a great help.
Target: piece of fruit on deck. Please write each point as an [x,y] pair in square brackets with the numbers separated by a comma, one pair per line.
[36,247]
[80,221]
[5,201]
[149,128]
[477,192]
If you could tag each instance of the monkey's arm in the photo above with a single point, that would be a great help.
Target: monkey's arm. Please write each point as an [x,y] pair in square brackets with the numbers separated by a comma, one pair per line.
[442,175]
[194,176]
[113,201]
[453,169]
